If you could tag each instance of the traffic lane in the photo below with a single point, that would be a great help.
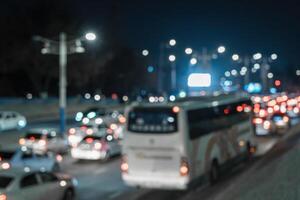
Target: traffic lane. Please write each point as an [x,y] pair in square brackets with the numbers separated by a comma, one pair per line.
[228,188]
[96,179]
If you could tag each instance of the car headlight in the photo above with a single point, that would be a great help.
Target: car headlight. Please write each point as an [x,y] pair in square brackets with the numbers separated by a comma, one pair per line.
[22,123]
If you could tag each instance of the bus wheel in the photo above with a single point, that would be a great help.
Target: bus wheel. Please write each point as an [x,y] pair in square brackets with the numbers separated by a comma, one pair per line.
[214,173]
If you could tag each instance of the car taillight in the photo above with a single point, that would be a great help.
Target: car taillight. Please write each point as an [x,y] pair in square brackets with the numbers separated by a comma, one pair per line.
[262,113]
[257,121]
[184,167]
[267,125]
[286,119]
[3,197]
[22,141]
[72,131]
[42,142]
[97,145]
[124,164]
[89,131]
[5,165]
[59,158]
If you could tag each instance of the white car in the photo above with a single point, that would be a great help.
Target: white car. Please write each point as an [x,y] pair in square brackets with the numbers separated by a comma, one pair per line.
[96,148]
[20,184]
[11,120]
[44,140]
[76,134]
[27,158]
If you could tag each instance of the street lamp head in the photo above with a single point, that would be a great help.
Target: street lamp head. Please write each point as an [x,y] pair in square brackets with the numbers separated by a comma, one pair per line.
[188,51]
[274,56]
[193,61]
[257,56]
[90,36]
[172,58]
[235,57]
[172,42]
[221,49]
[145,52]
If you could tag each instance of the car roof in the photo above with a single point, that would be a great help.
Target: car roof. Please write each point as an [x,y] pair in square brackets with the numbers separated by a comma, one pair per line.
[44,131]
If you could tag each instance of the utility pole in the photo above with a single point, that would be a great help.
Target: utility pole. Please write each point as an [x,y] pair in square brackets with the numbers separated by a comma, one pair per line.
[62,80]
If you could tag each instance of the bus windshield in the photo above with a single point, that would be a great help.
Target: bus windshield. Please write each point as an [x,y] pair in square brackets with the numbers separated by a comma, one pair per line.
[152,120]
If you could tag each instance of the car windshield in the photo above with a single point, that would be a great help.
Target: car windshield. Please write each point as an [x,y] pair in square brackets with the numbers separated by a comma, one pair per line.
[5,181]
[152,120]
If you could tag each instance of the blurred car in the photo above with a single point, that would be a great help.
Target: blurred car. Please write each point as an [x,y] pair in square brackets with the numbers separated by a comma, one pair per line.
[263,126]
[76,134]
[96,148]
[25,184]
[44,140]
[11,120]
[27,158]
[281,122]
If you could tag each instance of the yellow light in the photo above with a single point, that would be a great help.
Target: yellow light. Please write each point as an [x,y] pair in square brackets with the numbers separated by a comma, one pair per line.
[22,141]
[242,143]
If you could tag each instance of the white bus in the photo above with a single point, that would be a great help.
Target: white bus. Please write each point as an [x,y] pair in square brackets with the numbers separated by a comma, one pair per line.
[172,145]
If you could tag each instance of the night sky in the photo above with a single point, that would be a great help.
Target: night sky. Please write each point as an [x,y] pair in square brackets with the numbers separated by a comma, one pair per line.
[124,28]
[242,26]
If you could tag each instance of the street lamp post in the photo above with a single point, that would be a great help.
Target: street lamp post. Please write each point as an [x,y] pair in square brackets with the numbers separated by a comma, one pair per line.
[62,80]
[63,51]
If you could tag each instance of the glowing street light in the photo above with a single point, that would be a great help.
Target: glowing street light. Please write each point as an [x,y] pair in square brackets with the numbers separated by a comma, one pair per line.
[274,56]
[188,51]
[298,72]
[90,36]
[172,42]
[256,66]
[145,52]
[227,73]
[221,49]
[270,75]
[193,61]
[172,58]
[257,56]
[235,57]
[233,72]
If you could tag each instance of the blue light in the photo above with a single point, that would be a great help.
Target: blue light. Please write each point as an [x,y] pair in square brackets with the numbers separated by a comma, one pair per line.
[150,69]
[253,88]
[227,83]
[273,90]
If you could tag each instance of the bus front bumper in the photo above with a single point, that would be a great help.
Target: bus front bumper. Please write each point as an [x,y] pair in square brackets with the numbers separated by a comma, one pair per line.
[169,183]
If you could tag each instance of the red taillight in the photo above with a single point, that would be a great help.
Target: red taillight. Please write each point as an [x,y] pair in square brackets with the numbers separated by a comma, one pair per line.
[184,167]
[32,138]
[3,197]
[124,164]
[257,121]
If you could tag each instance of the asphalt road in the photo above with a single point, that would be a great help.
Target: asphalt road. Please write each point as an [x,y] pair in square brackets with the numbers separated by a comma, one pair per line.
[102,180]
